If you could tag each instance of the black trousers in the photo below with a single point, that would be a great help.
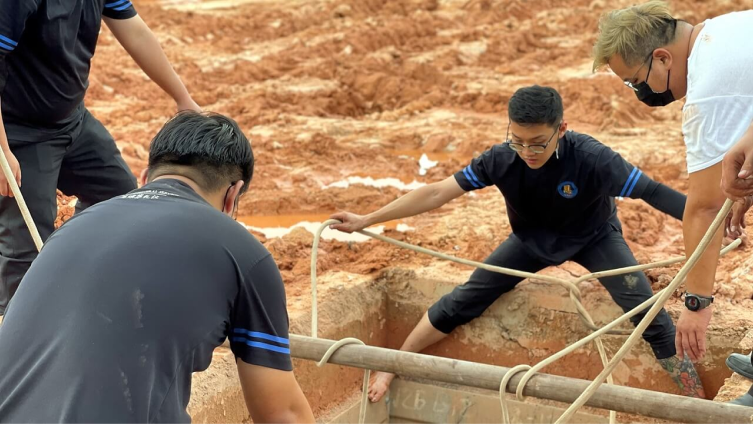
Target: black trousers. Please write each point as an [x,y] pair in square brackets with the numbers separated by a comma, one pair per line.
[82,161]
[471,299]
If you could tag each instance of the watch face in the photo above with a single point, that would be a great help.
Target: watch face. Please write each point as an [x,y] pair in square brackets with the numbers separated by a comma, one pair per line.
[692,303]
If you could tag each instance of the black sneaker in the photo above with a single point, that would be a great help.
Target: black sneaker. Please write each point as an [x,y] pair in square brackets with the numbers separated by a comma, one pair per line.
[744,400]
[741,365]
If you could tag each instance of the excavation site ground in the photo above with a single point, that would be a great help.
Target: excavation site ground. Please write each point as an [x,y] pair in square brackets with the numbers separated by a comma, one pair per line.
[350,104]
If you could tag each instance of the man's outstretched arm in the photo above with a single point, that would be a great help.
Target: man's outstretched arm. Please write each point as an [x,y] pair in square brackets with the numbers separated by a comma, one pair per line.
[416,202]
[705,199]
[475,176]
[142,45]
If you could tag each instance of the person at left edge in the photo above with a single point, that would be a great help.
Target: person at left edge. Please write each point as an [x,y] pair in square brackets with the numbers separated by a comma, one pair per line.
[49,137]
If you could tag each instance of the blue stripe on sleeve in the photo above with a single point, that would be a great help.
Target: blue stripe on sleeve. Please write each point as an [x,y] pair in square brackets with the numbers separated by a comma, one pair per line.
[258,335]
[468,176]
[6,47]
[627,183]
[123,7]
[635,181]
[8,40]
[470,171]
[260,345]
[116,3]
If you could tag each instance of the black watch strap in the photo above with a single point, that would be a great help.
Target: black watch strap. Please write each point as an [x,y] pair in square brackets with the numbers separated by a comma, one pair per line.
[696,302]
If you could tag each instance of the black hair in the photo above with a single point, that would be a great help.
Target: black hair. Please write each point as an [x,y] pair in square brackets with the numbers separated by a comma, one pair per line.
[209,148]
[535,105]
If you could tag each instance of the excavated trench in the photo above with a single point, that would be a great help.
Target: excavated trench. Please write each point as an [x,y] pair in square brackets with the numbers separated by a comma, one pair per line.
[524,326]
[328,91]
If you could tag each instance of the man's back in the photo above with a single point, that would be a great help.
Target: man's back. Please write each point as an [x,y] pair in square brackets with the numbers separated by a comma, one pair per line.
[126,300]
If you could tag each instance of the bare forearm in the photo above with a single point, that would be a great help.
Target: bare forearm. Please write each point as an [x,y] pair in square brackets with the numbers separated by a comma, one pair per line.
[291,415]
[416,202]
[301,410]
[297,410]
[697,221]
[3,137]
[142,45]
[296,414]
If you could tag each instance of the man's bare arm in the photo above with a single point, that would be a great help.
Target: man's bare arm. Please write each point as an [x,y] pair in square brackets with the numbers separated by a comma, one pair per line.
[273,396]
[142,45]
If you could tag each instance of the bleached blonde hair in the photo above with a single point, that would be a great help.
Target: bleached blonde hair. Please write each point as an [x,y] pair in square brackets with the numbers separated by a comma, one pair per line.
[633,33]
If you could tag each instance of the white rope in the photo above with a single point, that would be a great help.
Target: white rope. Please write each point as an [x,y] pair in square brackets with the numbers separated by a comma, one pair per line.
[366,375]
[575,297]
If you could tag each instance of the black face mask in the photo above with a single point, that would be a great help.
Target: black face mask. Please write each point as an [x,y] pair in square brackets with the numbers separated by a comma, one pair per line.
[649,97]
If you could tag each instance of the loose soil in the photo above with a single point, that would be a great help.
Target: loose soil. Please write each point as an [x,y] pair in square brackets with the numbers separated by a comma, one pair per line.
[327,90]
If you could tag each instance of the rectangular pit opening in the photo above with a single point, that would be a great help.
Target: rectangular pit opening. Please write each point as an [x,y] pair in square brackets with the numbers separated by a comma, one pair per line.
[523,327]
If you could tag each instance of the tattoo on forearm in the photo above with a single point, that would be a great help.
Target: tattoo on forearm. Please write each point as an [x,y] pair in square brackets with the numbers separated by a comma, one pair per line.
[684,375]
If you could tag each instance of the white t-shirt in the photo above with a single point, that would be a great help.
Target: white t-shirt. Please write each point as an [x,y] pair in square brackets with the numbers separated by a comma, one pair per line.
[719,100]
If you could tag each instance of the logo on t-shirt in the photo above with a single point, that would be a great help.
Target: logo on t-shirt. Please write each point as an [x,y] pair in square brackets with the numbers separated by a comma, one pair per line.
[567,189]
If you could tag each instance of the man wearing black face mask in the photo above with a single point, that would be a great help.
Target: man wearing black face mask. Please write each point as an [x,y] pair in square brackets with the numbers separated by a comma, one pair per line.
[646,94]
[165,277]
[709,64]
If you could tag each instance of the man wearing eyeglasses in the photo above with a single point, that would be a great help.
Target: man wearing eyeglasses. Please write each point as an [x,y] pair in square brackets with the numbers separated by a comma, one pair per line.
[559,187]
[709,64]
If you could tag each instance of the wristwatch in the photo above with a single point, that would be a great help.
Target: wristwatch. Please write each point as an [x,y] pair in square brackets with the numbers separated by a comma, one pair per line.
[695,302]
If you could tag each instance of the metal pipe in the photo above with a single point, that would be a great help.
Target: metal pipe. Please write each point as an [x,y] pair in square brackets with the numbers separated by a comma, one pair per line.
[544,386]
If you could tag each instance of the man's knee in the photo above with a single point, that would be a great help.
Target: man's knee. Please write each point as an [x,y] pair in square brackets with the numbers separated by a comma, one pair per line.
[15,235]
[117,187]
[660,334]
[441,319]
[453,310]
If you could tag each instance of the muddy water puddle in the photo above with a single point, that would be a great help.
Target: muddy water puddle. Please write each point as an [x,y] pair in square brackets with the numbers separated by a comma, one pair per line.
[207,4]
[432,156]
[279,225]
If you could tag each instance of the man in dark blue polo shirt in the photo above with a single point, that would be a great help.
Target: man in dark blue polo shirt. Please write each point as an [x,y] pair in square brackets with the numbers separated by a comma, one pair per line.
[543,168]
[50,139]
[132,295]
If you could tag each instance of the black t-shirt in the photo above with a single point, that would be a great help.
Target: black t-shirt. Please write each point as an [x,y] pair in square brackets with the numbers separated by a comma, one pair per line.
[559,208]
[130,297]
[46,48]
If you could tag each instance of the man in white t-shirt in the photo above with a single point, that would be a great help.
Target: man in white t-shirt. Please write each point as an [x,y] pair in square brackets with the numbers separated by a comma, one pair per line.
[711,64]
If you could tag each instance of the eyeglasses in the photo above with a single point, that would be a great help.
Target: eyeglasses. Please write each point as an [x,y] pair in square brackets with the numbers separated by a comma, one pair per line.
[535,148]
[650,60]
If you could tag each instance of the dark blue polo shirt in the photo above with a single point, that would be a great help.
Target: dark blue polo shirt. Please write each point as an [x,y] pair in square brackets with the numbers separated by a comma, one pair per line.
[559,208]
[46,48]
[126,300]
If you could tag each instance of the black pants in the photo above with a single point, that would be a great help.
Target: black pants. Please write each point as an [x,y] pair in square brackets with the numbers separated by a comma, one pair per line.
[83,161]
[471,299]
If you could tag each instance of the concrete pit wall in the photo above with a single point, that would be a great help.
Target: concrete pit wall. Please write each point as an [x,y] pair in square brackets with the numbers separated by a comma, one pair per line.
[524,326]
[535,321]
[413,402]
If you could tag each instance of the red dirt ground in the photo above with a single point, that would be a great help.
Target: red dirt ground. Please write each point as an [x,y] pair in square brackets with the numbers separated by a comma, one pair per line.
[327,90]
